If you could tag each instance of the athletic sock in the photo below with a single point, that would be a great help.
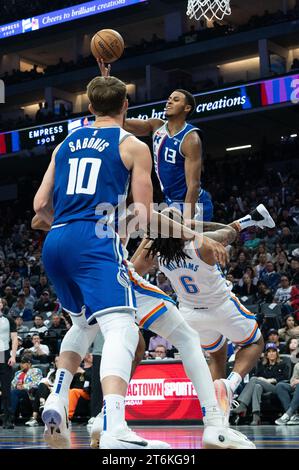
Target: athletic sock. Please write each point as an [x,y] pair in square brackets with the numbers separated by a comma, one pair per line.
[114,412]
[234,380]
[62,384]
[245,222]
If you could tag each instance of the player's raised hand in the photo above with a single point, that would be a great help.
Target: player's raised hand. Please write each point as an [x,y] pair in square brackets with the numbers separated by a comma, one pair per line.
[220,253]
[105,71]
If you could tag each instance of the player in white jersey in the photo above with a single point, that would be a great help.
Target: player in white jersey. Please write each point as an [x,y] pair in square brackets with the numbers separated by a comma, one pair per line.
[209,307]
[157,311]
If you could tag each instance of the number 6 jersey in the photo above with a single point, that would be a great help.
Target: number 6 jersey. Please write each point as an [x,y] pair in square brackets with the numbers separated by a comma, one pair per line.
[196,283]
[89,174]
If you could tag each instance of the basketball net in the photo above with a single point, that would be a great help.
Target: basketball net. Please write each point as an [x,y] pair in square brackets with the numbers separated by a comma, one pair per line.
[208,9]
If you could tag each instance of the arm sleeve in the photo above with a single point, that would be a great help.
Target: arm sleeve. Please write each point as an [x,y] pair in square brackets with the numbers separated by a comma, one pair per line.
[12,325]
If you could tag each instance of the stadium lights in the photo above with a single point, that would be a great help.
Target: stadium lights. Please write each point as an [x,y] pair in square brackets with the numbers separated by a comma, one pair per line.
[294,135]
[241,147]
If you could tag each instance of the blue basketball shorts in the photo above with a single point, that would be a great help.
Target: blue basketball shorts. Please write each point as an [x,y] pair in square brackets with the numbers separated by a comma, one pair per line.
[87,271]
[205,206]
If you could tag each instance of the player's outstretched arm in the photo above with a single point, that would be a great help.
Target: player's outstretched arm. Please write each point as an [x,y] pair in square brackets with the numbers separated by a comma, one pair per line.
[138,127]
[142,127]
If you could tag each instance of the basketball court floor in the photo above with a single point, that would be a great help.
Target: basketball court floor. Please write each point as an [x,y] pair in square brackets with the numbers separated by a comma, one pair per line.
[179,437]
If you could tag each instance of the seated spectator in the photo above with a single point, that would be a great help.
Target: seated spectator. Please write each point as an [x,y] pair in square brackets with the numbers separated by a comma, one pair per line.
[45,304]
[286,237]
[56,332]
[160,352]
[157,340]
[294,270]
[273,337]
[9,296]
[261,266]
[264,294]
[42,393]
[247,287]
[241,266]
[20,349]
[283,293]
[29,298]
[39,351]
[22,330]
[282,264]
[270,371]
[290,330]
[270,276]
[80,386]
[253,241]
[38,326]
[42,285]
[288,394]
[24,383]
[271,239]
[18,308]
[292,349]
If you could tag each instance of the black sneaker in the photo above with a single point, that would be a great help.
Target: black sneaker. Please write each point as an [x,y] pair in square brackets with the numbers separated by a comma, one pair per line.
[8,423]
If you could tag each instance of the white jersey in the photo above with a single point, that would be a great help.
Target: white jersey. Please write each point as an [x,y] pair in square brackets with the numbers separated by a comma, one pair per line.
[196,283]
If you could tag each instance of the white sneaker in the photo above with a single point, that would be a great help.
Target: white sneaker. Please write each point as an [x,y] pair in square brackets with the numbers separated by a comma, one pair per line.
[294,421]
[224,397]
[215,437]
[55,417]
[261,217]
[284,419]
[96,429]
[127,439]
[32,422]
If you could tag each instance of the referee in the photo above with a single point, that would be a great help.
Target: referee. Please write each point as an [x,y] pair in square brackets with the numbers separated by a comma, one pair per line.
[8,332]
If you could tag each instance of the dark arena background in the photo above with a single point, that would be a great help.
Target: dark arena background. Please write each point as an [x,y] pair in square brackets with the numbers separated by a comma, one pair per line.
[242,66]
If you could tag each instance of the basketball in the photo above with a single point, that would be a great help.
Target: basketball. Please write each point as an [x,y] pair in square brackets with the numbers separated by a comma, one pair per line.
[108,45]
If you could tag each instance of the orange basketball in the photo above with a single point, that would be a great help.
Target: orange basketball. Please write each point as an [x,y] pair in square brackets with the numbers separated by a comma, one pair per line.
[108,45]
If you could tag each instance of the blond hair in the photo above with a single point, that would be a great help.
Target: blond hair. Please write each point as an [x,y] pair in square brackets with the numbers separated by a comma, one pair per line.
[106,95]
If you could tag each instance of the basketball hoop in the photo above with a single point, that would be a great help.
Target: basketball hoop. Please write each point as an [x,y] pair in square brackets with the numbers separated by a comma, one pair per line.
[208,9]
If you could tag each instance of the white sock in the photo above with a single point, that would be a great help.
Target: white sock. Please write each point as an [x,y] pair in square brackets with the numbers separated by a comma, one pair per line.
[114,412]
[246,222]
[62,384]
[234,380]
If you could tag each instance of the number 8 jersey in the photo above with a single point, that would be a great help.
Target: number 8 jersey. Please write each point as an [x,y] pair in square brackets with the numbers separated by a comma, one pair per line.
[170,161]
[89,174]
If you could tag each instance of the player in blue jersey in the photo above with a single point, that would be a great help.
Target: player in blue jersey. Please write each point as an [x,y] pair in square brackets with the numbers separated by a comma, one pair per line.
[82,255]
[177,150]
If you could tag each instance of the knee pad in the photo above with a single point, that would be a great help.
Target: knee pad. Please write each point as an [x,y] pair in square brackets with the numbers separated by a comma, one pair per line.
[79,337]
[121,340]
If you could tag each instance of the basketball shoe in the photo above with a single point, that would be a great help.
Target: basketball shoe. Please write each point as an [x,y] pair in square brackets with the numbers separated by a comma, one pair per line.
[261,217]
[125,438]
[96,429]
[224,397]
[55,417]
[215,437]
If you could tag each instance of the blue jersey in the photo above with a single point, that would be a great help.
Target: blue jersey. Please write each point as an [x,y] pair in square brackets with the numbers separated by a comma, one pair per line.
[89,174]
[170,161]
